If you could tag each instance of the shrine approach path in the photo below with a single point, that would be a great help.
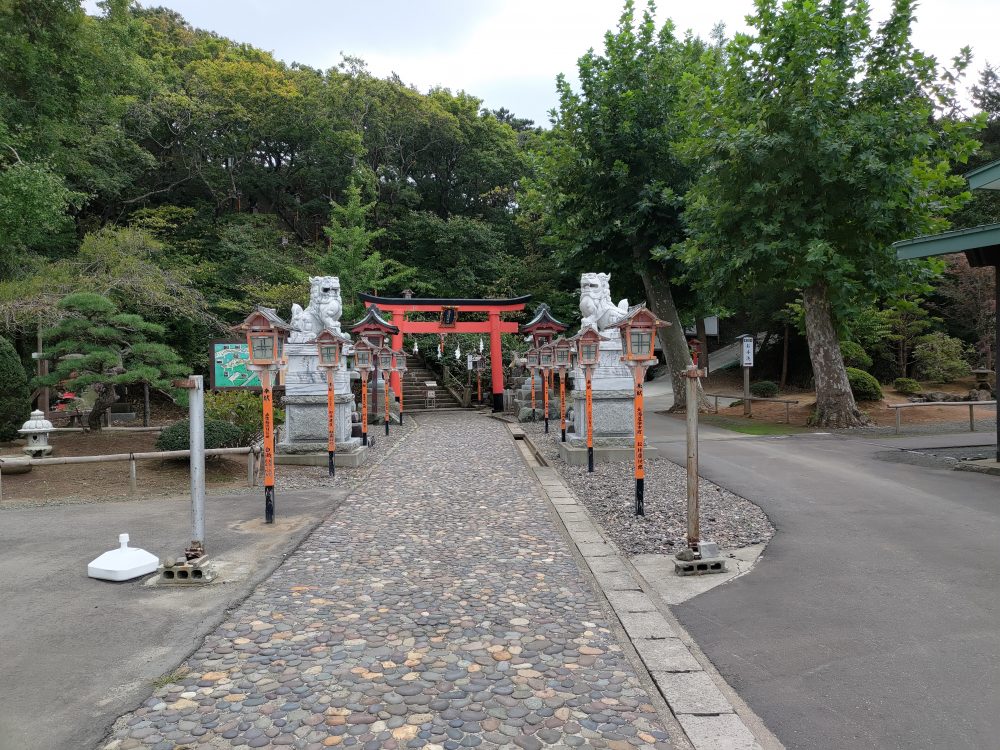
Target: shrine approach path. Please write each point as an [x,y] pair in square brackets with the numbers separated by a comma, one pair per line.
[438,607]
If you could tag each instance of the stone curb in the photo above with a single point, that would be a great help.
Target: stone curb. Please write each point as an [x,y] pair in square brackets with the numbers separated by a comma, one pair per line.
[688,685]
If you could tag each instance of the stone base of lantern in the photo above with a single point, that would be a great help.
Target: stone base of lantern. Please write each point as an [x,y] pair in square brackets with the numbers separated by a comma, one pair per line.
[347,455]
[575,454]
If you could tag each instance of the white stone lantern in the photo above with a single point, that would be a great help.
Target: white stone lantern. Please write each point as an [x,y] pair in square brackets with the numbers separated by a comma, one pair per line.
[37,430]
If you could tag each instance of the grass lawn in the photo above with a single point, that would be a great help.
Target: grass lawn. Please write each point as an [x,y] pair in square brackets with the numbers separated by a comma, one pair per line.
[750,426]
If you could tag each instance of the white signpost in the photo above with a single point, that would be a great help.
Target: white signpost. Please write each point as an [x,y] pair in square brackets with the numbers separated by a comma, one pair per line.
[747,342]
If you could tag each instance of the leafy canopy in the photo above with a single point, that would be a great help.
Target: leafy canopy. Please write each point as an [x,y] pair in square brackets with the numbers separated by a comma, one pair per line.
[819,149]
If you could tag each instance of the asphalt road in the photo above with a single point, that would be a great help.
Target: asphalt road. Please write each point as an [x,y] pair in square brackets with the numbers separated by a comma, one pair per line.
[76,653]
[871,621]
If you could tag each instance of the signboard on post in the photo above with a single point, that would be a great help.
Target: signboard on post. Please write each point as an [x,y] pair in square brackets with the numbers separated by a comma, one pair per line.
[747,348]
[747,351]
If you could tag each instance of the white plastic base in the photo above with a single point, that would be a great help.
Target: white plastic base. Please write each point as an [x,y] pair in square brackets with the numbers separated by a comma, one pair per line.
[123,564]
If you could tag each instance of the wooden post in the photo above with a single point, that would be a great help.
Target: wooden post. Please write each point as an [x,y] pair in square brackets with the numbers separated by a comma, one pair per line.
[267,398]
[545,396]
[972,419]
[132,488]
[331,423]
[746,392]
[251,469]
[532,394]
[897,420]
[590,421]
[145,404]
[562,401]
[364,408]
[640,473]
[693,525]
[385,380]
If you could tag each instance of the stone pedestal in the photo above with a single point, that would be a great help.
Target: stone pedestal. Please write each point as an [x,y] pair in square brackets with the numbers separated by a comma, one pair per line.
[613,388]
[522,400]
[305,429]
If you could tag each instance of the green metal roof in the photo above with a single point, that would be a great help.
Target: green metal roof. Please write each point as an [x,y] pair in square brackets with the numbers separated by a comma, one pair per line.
[981,244]
[987,177]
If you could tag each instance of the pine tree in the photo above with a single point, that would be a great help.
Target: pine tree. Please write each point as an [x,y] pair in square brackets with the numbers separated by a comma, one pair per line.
[96,346]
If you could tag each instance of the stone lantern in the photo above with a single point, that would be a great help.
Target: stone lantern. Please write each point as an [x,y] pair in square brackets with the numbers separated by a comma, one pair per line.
[37,430]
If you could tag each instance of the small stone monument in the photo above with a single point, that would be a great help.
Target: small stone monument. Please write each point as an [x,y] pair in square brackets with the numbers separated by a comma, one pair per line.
[305,429]
[612,382]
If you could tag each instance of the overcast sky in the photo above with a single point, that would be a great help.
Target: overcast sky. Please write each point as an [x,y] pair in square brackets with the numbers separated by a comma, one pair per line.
[508,52]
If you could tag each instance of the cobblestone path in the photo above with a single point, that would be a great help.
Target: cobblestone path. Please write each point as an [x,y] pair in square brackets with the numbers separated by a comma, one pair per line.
[438,608]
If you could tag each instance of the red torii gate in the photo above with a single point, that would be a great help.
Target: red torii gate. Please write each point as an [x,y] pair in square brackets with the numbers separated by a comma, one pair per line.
[399,306]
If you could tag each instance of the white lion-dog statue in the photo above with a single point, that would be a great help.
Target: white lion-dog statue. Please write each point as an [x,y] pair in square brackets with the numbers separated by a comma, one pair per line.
[324,310]
[596,306]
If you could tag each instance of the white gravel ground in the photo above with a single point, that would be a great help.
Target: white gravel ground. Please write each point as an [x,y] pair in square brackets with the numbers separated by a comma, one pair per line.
[609,495]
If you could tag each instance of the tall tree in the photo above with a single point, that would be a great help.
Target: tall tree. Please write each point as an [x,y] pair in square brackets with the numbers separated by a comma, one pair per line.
[610,178]
[819,149]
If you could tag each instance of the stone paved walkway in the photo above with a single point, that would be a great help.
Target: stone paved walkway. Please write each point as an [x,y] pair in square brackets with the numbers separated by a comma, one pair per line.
[440,607]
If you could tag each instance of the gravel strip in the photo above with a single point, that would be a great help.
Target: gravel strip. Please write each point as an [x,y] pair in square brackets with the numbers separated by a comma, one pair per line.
[609,495]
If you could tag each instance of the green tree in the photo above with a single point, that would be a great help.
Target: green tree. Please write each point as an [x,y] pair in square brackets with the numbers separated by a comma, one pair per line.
[610,179]
[96,346]
[14,395]
[351,257]
[818,150]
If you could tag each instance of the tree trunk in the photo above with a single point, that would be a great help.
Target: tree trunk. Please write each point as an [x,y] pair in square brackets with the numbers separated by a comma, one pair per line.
[660,299]
[106,396]
[703,339]
[835,406]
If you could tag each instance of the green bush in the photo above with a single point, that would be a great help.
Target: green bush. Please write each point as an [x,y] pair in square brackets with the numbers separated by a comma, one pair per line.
[863,386]
[764,389]
[906,386]
[940,358]
[242,409]
[218,434]
[854,355]
[15,397]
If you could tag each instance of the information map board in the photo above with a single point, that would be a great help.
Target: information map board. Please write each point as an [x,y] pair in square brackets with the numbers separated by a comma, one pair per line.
[230,366]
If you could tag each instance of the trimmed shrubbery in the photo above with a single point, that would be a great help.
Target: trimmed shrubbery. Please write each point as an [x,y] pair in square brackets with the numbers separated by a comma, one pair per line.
[14,394]
[855,356]
[940,358]
[764,389]
[906,386]
[242,409]
[218,434]
[863,386]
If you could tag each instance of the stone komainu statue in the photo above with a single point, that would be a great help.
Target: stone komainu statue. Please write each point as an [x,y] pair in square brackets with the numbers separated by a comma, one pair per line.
[324,310]
[596,307]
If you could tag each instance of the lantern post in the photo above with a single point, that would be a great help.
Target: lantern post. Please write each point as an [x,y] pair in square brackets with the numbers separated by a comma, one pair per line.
[545,364]
[373,329]
[266,334]
[588,354]
[563,353]
[385,364]
[363,364]
[531,362]
[329,346]
[542,329]
[401,369]
[638,333]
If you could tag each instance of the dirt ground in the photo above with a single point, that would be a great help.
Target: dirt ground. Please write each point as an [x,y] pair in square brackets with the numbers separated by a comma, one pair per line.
[731,383]
[107,481]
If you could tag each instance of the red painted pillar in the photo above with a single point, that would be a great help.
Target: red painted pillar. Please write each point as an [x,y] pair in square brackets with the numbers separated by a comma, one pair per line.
[496,361]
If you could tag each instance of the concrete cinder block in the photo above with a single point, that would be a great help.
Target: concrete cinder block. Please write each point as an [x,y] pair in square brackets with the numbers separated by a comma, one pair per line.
[703,567]
[722,732]
[691,693]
